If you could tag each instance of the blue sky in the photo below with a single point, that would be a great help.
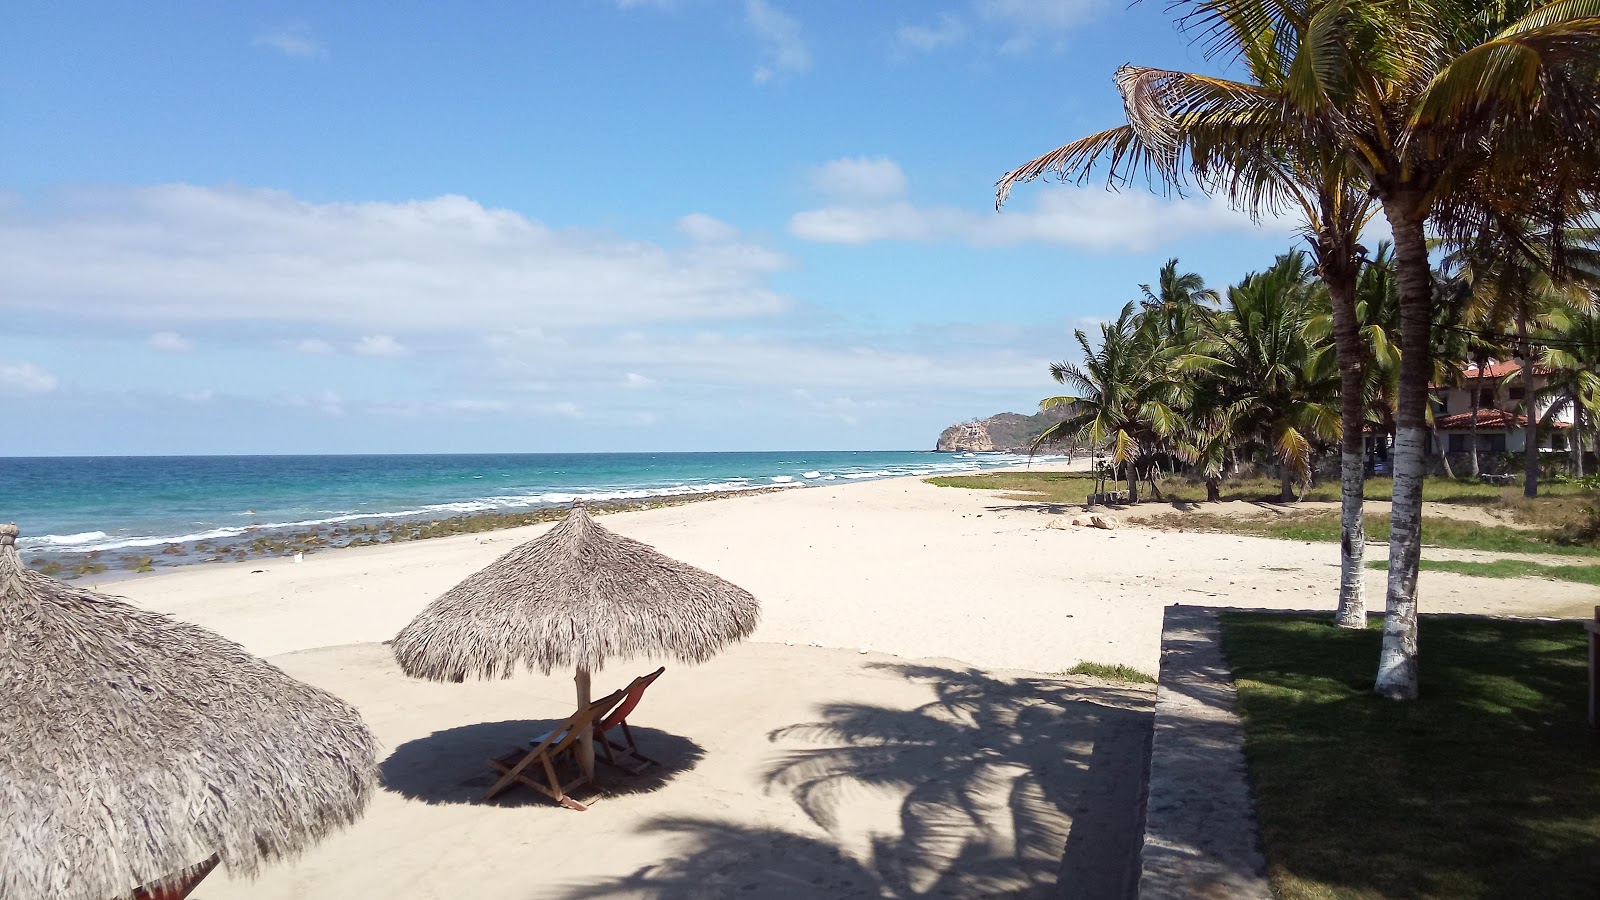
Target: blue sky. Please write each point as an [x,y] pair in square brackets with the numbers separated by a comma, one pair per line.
[599,225]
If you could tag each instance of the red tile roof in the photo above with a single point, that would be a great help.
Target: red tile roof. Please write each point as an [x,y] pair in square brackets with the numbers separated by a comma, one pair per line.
[1502,369]
[1493,371]
[1487,418]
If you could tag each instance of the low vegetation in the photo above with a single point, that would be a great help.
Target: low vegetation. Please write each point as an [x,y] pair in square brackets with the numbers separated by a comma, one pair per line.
[1566,521]
[1506,568]
[267,544]
[1486,786]
[1039,487]
[1110,672]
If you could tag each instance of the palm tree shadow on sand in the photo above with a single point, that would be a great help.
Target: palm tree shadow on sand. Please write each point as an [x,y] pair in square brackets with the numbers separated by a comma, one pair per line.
[451,766]
[1025,788]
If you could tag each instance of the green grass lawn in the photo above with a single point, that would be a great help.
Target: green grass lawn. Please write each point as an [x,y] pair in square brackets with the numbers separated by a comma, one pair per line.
[1506,568]
[1488,786]
[1437,531]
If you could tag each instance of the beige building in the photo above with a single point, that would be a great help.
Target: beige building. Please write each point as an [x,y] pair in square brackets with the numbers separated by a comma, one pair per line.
[1501,414]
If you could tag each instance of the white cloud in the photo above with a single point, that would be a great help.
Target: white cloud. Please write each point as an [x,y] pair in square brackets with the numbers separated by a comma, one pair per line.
[478,405]
[381,345]
[292,39]
[718,358]
[324,401]
[845,409]
[860,178]
[186,254]
[783,50]
[946,32]
[703,228]
[636,381]
[566,409]
[26,378]
[1038,15]
[1090,218]
[311,346]
[1001,27]
[170,342]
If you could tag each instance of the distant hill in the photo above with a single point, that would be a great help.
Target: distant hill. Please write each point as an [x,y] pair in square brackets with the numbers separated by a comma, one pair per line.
[1004,431]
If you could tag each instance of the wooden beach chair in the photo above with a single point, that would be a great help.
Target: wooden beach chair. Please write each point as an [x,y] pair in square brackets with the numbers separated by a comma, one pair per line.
[549,749]
[626,755]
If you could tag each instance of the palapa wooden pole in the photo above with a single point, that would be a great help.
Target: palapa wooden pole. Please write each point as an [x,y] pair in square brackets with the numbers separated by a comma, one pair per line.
[585,740]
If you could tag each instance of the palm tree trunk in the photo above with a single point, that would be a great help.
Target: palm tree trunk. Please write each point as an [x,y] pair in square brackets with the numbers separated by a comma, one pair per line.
[1444,458]
[1577,437]
[1351,354]
[1530,409]
[1472,466]
[1397,661]
[1133,483]
[1286,484]
[1575,449]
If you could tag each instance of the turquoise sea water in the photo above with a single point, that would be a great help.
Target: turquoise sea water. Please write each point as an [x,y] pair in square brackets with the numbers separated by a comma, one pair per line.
[84,504]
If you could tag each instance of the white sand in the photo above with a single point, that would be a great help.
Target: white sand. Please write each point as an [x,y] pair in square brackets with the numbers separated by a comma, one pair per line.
[994,786]
[894,566]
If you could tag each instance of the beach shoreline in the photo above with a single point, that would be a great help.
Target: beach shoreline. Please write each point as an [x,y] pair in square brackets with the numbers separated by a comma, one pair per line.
[110,556]
[894,566]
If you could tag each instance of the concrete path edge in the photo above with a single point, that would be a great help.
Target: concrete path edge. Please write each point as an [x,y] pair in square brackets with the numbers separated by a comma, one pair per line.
[1201,838]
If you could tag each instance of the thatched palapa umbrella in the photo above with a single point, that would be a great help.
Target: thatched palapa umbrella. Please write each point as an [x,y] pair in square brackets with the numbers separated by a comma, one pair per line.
[578,596]
[133,746]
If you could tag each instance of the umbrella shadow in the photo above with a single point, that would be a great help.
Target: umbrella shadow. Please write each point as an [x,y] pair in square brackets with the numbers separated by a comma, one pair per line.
[451,766]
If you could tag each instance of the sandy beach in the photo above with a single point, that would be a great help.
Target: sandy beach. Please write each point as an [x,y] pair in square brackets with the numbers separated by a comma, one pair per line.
[893,728]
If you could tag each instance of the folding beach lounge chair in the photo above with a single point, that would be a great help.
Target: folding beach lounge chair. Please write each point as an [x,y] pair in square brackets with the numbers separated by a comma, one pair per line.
[625,756]
[549,749]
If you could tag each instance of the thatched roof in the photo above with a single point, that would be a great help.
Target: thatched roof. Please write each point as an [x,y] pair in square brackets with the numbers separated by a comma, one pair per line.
[574,597]
[133,746]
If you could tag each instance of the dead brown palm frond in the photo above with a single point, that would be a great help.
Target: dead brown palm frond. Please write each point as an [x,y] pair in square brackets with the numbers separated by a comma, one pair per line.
[576,596]
[133,746]
[1119,147]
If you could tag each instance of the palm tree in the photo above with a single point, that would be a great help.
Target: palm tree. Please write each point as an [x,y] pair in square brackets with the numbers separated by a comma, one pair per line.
[1427,102]
[1273,385]
[1127,396]
[1573,359]
[1175,306]
[1300,171]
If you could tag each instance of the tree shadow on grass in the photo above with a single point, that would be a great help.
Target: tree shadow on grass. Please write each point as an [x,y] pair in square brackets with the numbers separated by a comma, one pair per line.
[451,766]
[1020,788]
[1485,786]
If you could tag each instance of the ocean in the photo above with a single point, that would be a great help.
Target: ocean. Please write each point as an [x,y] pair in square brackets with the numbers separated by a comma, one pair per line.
[108,505]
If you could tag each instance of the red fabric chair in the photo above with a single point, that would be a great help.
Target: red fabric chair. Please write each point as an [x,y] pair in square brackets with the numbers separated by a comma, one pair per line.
[626,755]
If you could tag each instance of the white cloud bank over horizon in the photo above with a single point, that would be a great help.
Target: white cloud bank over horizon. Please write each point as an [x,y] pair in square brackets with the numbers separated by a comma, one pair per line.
[175,254]
[866,205]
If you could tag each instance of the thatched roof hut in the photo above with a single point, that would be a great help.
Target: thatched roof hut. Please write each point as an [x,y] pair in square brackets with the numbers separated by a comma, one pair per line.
[576,596]
[133,746]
